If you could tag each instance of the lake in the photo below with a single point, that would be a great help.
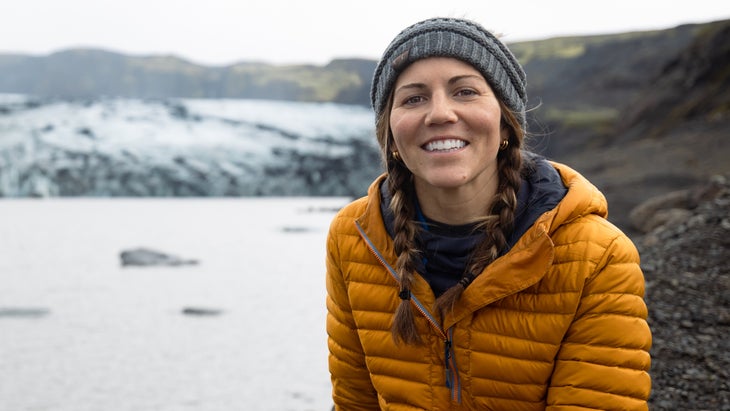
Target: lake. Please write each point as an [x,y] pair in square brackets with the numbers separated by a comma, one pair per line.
[81,332]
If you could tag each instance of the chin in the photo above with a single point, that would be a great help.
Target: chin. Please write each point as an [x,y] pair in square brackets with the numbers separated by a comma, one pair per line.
[445,183]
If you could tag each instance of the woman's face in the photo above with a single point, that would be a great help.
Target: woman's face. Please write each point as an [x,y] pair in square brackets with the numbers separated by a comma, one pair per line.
[446,125]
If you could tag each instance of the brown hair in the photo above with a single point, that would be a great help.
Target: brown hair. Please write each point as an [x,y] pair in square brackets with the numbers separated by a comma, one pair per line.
[496,225]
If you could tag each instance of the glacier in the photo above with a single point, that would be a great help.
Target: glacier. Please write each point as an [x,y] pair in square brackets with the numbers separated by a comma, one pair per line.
[125,147]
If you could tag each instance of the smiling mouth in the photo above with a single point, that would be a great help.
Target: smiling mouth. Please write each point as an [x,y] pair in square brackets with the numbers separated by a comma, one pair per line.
[444,145]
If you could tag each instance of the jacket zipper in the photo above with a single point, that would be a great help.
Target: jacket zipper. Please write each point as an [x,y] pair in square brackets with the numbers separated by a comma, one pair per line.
[453,382]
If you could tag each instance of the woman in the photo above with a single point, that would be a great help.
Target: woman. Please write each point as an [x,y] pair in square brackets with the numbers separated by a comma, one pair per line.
[475,275]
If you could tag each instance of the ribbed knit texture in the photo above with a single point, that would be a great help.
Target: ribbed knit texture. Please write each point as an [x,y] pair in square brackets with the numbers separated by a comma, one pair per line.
[457,38]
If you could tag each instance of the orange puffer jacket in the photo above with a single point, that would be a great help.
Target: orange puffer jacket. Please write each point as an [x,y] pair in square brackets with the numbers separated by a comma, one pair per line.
[557,323]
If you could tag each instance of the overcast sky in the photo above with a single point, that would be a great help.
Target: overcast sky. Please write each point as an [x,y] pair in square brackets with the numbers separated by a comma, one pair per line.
[218,32]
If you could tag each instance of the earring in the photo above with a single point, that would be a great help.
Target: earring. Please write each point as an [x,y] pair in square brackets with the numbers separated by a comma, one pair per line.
[396,155]
[503,145]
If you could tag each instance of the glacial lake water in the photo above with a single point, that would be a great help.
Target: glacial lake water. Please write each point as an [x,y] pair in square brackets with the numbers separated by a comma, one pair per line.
[89,334]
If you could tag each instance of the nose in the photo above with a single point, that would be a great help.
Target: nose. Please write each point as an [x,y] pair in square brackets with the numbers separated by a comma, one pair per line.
[441,110]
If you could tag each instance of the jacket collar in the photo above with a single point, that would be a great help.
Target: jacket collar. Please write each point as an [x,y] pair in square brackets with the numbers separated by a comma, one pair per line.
[526,263]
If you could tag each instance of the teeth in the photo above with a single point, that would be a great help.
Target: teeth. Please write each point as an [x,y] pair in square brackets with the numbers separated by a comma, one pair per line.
[445,145]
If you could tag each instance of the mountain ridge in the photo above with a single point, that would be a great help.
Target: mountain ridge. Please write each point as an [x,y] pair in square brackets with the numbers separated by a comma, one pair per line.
[99,71]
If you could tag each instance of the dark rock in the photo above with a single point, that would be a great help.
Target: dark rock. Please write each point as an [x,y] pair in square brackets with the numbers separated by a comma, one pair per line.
[296,229]
[148,257]
[23,312]
[686,262]
[201,311]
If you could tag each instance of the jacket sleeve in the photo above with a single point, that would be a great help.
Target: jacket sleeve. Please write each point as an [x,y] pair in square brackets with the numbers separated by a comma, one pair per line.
[604,360]
[351,385]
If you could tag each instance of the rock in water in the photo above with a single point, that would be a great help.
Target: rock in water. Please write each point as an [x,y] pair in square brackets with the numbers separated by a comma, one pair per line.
[201,311]
[23,312]
[148,257]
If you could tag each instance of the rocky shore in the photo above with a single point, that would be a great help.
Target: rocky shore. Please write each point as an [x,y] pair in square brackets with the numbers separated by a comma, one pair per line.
[685,251]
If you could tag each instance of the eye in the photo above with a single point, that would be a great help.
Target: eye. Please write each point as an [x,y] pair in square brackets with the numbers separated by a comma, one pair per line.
[466,92]
[412,100]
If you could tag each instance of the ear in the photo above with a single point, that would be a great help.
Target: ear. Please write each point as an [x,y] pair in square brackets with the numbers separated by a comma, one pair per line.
[504,131]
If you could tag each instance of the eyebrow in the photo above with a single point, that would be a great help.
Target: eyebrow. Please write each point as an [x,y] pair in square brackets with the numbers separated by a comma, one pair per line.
[451,81]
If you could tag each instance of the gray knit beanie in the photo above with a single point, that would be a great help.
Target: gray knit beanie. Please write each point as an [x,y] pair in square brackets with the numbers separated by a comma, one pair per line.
[458,38]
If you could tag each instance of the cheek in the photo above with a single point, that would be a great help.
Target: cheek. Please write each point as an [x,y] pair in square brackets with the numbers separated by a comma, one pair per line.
[491,125]
[402,131]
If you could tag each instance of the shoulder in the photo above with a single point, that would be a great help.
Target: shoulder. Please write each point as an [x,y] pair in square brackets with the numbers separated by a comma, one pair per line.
[346,216]
[366,206]
[602,253]
[580,229]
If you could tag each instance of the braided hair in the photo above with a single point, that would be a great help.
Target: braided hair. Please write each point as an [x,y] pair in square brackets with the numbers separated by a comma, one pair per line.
[497,225]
